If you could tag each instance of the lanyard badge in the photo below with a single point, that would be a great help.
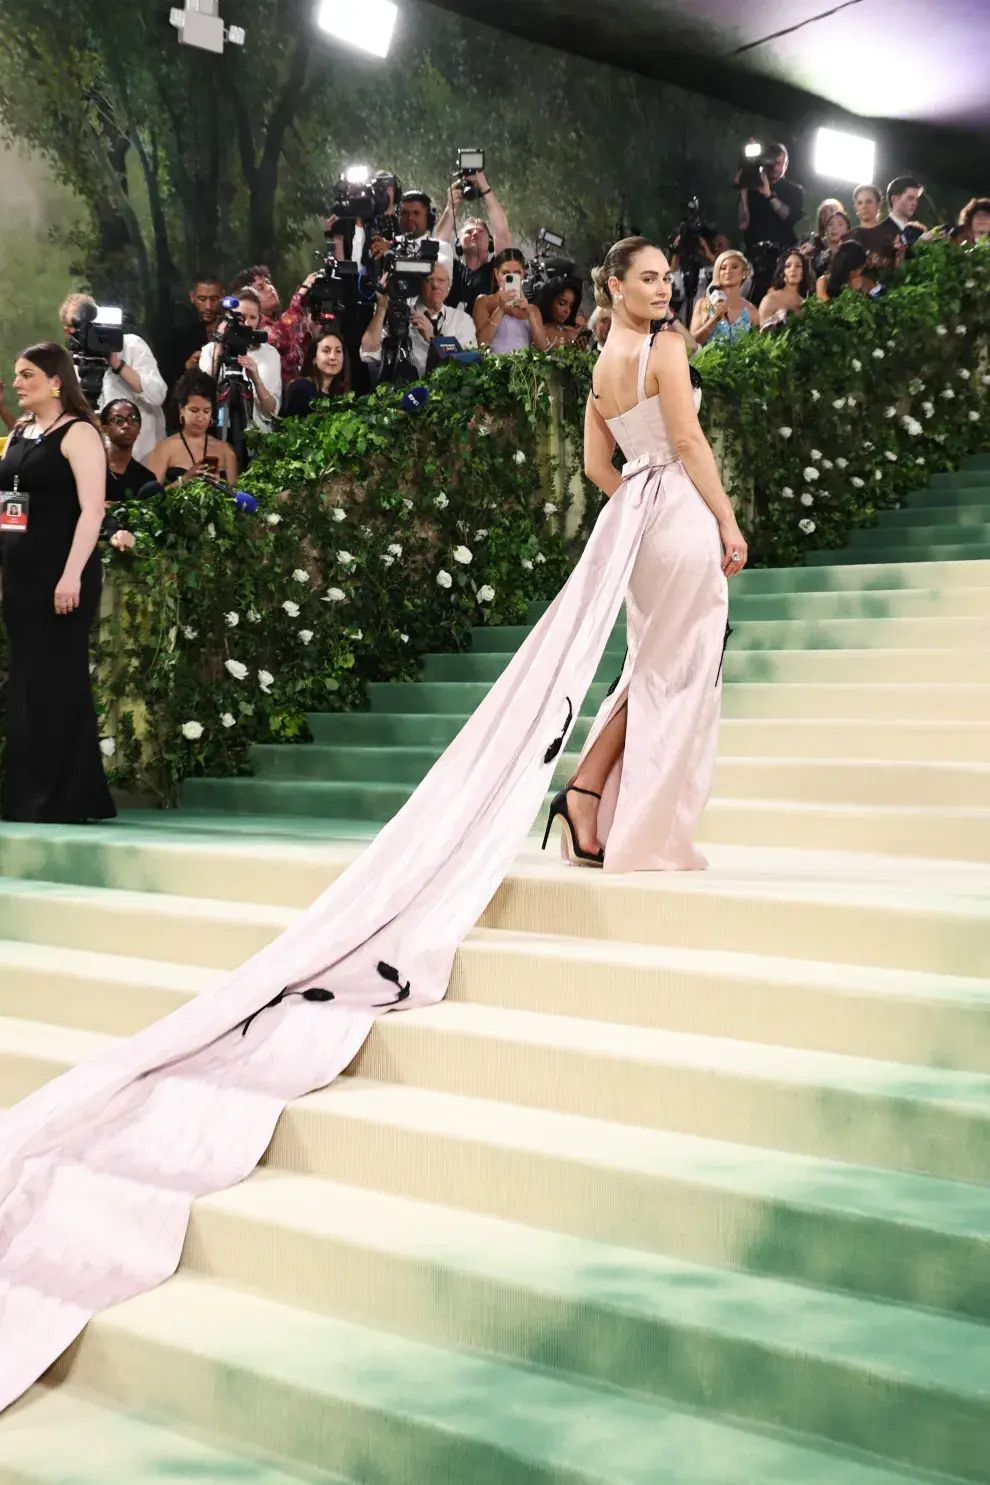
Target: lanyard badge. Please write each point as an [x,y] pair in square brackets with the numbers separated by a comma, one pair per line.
[14,506]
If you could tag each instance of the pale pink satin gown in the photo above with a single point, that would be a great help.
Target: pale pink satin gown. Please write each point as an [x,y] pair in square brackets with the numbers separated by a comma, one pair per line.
[98,1168]
[671,682]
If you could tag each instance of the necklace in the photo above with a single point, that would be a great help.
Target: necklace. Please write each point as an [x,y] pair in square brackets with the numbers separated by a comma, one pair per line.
[206,441]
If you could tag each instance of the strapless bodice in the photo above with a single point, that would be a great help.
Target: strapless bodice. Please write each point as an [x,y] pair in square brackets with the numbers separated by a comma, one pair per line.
[642,430]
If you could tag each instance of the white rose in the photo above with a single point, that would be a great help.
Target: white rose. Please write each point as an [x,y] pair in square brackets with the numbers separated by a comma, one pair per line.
[850,402]
[971,283]
[928,408]
[807,498]
[540,557]
[915,386]
[787,493]
[878,354]
[912,426]
[827,464]
[192,730]
[408,504]
[189,633]
[292,609]
[404,638]
[965,374]
[920,459]
[339,514]
[941,330]
[948,394]
[462,555]
[806,526]
[356,633]
[974,417]
[857,365]
[856,482]
[549,509]
[107,747]
[816,454]
[891,344]
[526,565]
[785,432]
[986,381]
[300,575]
[890,412]
[878,475]
[811,474]
[236,669]
[480,535]
[335,595]
[441,502]
[232,620]
[265,679]
[890,456]
[305,635]
[839,403]
[842,463]
[484,432]
[253,616]
[344,558]
[816,396]
[388,561]
[227,720]
[273,519]
[961,330]
[519,457]
[394,549]
[444,579]
[486,593]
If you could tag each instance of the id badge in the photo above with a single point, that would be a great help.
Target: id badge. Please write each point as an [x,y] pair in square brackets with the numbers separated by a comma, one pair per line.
[14,506]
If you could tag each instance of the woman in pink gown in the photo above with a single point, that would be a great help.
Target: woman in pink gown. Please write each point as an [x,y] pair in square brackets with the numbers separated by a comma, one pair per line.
[99,1168]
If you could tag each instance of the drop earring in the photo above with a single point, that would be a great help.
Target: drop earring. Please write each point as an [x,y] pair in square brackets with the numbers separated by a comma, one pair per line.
[618,297]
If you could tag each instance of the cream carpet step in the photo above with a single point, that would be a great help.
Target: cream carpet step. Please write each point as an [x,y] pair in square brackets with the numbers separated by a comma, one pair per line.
[60,1436]
[862,603]
[892,830]
[764,1210]
[881,701]
[890,1114]
[931,741]
[93,991]
[317,1390]
[905,1384]
[927,785]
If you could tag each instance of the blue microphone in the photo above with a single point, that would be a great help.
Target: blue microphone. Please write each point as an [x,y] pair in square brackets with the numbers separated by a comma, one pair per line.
[415,399]
[244,501]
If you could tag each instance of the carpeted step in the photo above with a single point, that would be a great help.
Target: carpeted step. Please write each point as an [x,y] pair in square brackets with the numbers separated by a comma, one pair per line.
[900,552]
[343,764]
[879,701]
[838,781]
[965,489]
[963,517]
[906,1384]
[59,1436]
[373,801]
[922,537]
[312,1389]
[878,631]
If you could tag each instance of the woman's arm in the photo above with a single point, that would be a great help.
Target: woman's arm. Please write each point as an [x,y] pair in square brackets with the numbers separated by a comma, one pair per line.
[157,460]
[703,323]
[820,289]
[599,446]
[768,307]
[537,328]
[83,448]
[228,463]
[668,364]
[488,311]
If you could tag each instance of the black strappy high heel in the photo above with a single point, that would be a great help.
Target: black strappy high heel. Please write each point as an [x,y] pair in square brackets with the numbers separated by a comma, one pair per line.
[558,806]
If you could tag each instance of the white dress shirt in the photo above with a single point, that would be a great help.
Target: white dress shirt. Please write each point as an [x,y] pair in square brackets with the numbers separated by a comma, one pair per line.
[269,364]
[447,321]
[149,401]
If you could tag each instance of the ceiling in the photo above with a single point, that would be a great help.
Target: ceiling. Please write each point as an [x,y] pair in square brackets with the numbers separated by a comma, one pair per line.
[911,67]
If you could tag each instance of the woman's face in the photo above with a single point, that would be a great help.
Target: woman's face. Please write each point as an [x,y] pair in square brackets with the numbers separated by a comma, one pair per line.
[511,266]
[980,223]
[794,271]
[836,227]
[123,426]
[645,289]
[731,274]
[867,208]
[330,356]
[35,390]
[197,415]
[562,307]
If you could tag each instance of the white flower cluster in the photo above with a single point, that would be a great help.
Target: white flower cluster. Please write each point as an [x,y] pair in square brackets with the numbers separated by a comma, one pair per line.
[911,425]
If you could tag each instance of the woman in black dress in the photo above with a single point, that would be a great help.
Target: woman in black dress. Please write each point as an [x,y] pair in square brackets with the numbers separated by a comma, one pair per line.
[326,372]
[52,487]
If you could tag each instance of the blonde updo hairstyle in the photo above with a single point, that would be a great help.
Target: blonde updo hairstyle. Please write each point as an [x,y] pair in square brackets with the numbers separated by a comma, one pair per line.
[617,264]
[719,264]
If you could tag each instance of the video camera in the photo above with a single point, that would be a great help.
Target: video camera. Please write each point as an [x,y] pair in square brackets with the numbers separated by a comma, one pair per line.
[754,161]
[233,335]
[357,198]
[469,164]
[97,333]
[543,267]
[404,268]
[335,288]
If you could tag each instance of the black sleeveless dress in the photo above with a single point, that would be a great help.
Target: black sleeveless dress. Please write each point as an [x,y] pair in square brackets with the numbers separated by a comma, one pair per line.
[52,766]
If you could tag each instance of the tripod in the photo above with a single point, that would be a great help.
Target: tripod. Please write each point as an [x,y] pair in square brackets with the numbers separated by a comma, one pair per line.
[235,409]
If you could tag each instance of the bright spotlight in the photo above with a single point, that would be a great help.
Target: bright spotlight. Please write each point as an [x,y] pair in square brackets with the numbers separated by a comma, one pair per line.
[357,175]
[753,150]
[108,314]
[846,157]
[368,25]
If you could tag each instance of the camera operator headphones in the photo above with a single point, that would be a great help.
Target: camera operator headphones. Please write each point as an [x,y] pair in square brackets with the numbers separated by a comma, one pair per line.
[459,248]
[431,211]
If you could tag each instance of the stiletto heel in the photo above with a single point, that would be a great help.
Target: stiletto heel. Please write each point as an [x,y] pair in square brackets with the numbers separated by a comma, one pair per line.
[558,806]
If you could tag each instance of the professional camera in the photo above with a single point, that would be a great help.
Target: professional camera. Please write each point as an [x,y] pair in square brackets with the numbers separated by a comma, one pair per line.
[543,267]
[469,164]
[358,199]
[754,161]
[403,270]
[233,335]
[97,332]
[333,291]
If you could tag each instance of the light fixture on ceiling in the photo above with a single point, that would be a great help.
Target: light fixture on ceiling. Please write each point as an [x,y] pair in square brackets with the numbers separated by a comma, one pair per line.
[845,157]
[368,25]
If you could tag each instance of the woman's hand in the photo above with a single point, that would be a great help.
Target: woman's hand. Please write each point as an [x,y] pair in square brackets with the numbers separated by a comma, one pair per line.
[67,594]
[735,550]
[122,541]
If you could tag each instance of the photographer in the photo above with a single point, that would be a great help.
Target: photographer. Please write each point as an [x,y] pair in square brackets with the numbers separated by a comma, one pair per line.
[352,236]
[479,240]
[290,333]
[132,372]
[261,364]
[430,317]
[506,321]
[693,251]
[192,327]
[770,205]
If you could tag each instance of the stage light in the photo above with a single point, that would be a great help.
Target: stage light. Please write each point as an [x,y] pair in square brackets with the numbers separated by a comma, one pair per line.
[846,157]
[753,150]
[368,25]
[357,175]
[199,25]
[107,314]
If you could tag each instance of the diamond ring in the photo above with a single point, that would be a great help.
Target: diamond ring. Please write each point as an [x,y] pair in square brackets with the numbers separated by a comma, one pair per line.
[734,556]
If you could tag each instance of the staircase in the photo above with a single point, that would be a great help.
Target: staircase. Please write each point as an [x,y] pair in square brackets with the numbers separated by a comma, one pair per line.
[687,1181]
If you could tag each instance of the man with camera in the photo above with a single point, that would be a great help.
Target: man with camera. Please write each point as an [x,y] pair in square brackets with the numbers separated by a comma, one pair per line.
[236,350]
[769,204]
[479,240]
[131,372]
[430,318]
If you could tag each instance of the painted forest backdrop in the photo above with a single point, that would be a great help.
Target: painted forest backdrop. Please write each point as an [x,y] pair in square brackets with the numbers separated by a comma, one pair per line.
[137,161]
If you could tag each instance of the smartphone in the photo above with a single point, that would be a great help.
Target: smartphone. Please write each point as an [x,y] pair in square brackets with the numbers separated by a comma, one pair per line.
[513,285]
[212,463]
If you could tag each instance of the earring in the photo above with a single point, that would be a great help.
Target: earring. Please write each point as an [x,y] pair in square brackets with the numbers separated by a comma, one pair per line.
[54,391]
[618,295]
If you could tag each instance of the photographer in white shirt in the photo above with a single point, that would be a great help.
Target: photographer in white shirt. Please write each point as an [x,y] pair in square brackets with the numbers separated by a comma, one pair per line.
[430,317]
[263,365]
[131,374]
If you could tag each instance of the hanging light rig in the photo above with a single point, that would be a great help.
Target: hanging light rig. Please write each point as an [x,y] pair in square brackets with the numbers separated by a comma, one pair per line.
[200,25]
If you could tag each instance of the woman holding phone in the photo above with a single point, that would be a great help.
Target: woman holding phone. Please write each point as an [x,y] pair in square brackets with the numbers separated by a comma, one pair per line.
[506,321]
[193,450]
